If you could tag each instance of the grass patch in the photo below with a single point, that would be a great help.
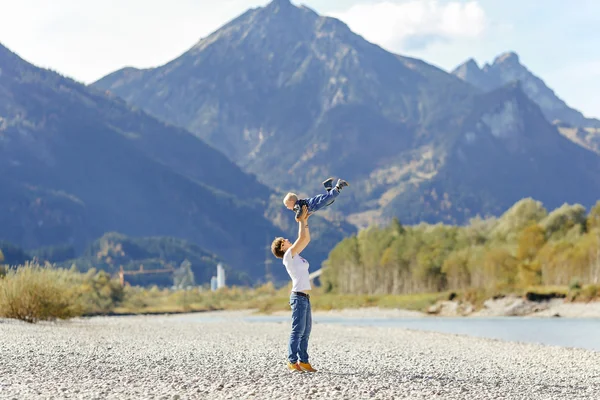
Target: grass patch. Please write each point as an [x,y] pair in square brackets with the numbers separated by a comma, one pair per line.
[264,299]
[584,294]
[416,302]
[34,293]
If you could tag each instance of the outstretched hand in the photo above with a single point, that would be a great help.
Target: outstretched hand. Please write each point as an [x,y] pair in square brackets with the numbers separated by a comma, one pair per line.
[303,215]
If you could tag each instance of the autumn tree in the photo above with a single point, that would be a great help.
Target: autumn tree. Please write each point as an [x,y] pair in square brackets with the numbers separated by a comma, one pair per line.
[593,218]
[518,217]
[526,246]
[564,220]
[531,240]
[456,269]
[554,260]
[501,267]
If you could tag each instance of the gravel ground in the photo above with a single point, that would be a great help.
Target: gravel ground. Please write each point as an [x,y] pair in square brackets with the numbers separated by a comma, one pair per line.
[223,357]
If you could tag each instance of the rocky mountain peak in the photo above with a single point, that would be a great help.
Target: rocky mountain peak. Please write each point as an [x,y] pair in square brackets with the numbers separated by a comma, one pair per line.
[506,68]
[508,58]
[468,67]
[470,72]
[279,5]
[281,8]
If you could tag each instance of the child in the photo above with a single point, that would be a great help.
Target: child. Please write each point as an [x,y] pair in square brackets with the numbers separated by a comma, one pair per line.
[317,202]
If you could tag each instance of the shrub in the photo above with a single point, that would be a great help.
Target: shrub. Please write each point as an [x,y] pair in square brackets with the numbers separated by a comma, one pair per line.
[585,294]
[34,293]
[575,284]
[590,292]
[99,292]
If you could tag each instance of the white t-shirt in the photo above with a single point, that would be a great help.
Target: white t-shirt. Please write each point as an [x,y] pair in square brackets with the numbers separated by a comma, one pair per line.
[297,268]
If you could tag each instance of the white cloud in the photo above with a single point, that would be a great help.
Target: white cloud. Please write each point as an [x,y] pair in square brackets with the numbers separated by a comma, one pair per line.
[89,39]
[410,24]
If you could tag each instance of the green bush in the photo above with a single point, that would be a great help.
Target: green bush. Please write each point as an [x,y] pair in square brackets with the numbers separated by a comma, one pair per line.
[99,292]
[575,284]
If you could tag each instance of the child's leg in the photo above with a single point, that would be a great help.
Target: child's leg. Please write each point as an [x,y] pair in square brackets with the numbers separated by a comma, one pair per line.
[322,200]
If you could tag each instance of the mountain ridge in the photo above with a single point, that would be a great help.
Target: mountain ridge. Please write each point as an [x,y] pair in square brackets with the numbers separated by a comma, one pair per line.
[76,164]
[292,98]
[507,67]
[340,106]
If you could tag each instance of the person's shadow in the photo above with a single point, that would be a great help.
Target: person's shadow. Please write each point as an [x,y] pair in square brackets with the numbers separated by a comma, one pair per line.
[326,372]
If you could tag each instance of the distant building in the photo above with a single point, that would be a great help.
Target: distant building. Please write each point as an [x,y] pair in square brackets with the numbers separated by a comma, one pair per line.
[213,283]
[220,276]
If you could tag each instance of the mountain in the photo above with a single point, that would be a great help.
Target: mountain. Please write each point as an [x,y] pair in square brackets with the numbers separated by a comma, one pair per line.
[505,150]
[507,68]
[470,72]
[12,255]
[113,250]
[76,163]
[294,97]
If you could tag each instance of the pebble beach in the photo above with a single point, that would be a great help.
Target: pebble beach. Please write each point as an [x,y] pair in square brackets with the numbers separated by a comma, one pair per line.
[219,355]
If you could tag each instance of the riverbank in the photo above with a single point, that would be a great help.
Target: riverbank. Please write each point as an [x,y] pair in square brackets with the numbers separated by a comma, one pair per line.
[62,294]
[517,306]
[394,306]
[508,307]
[221,356]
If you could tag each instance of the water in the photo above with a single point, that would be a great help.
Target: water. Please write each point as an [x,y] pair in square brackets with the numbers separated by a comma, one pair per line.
[567,332]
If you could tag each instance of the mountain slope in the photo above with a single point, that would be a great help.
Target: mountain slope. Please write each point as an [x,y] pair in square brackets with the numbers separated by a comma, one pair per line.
[75,163]
[505,150]
[507,68]
[279,77]
[294,97]
[114,250]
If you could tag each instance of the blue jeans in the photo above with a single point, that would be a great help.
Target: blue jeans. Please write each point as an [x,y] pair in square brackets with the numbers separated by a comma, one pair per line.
[301,326]
[322,200]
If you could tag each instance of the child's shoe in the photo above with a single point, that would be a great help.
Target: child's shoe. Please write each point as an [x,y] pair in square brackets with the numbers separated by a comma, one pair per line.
[340,184]
[328,183]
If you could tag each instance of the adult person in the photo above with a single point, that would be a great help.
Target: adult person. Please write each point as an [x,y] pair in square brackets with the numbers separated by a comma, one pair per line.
[297,268]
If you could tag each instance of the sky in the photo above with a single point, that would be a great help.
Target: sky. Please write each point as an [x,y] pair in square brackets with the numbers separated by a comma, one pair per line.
[88,39]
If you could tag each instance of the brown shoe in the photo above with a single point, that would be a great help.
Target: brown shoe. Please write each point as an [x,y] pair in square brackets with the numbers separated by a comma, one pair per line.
[306,367]
[293,367]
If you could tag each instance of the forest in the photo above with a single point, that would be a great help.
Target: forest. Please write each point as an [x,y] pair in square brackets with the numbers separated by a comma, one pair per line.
[526,246]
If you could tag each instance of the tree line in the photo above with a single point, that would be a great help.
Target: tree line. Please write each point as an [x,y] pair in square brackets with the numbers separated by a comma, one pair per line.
[526,246]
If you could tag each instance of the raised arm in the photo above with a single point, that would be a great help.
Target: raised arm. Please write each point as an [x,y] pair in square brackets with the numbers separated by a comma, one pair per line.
[303,233]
